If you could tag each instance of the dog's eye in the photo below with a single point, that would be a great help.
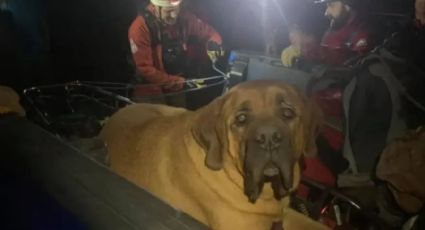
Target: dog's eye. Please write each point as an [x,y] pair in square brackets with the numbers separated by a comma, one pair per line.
[288,113]
[241,118]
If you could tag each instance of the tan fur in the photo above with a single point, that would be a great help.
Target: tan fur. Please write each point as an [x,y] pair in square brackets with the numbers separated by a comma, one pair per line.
[154,147]
[9,101]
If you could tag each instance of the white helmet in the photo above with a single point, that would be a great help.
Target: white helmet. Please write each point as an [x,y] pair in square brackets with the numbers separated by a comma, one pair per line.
[166,3]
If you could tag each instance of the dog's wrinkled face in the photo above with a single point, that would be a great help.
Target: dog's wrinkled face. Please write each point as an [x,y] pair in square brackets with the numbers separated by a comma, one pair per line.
[265,126]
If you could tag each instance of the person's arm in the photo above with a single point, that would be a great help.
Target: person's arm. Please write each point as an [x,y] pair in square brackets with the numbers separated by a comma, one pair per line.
[361,43]
[201,30]
[141,48]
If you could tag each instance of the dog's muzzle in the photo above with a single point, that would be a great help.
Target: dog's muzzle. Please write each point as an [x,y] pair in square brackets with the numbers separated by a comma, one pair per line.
[268,158]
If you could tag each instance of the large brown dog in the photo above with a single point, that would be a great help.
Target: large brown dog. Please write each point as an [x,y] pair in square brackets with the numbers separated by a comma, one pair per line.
[213,163]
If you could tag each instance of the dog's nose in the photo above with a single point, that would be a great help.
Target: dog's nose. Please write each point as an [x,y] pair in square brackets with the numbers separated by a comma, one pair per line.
[268,137]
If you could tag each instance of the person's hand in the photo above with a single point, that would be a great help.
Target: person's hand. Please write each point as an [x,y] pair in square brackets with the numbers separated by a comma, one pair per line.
[196,83]
[214,50]
[289,54]
[175,83]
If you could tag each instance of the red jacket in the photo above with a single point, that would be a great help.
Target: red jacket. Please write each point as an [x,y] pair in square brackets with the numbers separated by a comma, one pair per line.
[148,59]
[338,46]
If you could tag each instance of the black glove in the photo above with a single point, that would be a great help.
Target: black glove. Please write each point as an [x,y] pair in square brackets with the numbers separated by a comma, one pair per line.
[214,50]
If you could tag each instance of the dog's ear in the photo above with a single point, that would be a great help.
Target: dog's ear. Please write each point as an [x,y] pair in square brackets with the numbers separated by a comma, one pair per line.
[312,124]
[209,130]
[308,129]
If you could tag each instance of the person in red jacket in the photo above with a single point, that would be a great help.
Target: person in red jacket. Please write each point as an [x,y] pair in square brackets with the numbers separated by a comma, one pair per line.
[161,41]
[346,38]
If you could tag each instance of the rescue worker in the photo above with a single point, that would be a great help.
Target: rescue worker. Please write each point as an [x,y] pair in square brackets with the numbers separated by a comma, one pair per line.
[161,41]
[303,43]
[346,37]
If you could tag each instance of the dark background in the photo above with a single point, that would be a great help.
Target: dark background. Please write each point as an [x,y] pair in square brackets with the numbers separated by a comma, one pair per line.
[51,41]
